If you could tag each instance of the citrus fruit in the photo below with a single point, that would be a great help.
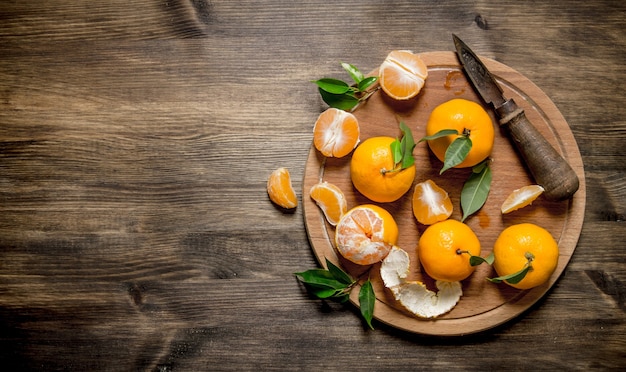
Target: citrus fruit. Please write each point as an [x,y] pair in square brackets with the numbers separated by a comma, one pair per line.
[336,133]
[526,244]
[372,171]
[444,250]
[280,190]
[402,74]
[331,201]
[521,197]
[469,119]
[413,295]
[365,234]
[431,203]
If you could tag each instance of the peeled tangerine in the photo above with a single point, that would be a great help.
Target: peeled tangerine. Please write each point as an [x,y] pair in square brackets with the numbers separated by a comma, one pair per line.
[521,197]
[431,203]
[280,190]
[402,74]
[365,234]
[336,133]
[414,295]
[331,201]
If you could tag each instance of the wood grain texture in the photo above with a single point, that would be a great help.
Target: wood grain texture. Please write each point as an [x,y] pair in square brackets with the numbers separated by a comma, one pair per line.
[135,142]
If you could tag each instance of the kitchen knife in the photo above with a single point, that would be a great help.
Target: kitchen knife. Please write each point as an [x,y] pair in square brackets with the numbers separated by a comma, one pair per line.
[547,167]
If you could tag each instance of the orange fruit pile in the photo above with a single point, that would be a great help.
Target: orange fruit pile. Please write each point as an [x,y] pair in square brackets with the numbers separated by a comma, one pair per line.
[430,203]
[372,171]
[336,133]
[444,250]
[365,234]
[523,244]
[402,74]
[468,118]
[331,200]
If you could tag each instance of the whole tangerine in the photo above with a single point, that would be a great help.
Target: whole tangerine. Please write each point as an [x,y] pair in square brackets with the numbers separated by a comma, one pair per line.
[526,244]
[469,119]
[444,250]
[374,174]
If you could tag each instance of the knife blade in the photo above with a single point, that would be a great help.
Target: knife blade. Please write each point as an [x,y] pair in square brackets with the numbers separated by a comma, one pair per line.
[548,168]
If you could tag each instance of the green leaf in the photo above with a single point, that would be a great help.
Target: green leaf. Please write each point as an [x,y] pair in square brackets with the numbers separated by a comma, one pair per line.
[477,260]
[396,151]
[320,278]
[354,72]
[456,152]
[402,150]
[366,83]
[333,86]
[339,274]
[346,101]
[323,292]
[441,133]
[479,168]
[407,145]
[367,298]
[475,191]
[512,278]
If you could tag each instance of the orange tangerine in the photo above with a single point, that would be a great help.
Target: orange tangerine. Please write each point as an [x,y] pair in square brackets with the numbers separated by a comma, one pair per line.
[280,190]
[468,118]
[336,133]
[526,244]
[366,234]
[372,171]
[521,197]
[331,201]
[431,203]
[444,250]
[402,74]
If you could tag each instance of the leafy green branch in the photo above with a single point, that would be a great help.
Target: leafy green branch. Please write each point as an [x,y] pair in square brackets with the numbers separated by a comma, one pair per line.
[457,150]
[477,260]
[402,150]
[336,284]
[476,189]
[516,277]
[339,94]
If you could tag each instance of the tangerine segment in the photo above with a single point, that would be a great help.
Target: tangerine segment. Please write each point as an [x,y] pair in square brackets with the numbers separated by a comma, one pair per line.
[336,133]
[468,118]
[431,203]
[366,234]
[331,201]
[280,190]
[513,247]
[521,197]
[402,74]
[444,250]
[370,168]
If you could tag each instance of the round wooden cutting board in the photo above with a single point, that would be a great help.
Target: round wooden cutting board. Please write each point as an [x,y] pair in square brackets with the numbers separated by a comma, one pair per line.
[483,304]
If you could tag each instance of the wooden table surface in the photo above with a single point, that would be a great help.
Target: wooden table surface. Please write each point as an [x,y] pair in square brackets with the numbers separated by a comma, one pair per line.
[136,138]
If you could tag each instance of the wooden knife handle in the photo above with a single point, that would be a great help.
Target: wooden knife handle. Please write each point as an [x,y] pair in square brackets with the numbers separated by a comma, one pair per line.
[547,167]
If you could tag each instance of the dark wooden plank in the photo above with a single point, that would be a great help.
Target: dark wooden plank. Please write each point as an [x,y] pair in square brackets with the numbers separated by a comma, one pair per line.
[135,142]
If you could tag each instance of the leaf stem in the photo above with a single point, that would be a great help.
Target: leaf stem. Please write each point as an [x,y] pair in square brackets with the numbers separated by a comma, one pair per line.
[517,277]
[477,260]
